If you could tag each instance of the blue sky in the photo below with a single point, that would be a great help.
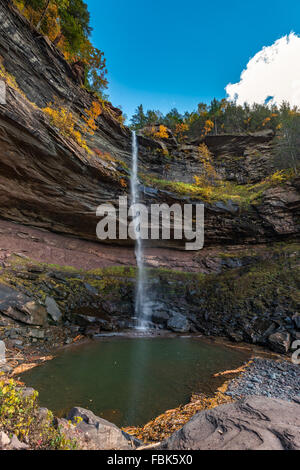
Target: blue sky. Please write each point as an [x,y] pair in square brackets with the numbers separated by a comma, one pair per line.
[168,54]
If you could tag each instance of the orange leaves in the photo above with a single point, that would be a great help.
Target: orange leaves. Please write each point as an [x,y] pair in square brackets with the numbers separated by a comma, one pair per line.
[208,127]
[104,155]
[265,121]
[181,129]
[123,183]
[162,133]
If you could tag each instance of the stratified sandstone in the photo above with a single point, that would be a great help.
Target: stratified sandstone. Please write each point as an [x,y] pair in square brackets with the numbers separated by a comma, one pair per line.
[252,424]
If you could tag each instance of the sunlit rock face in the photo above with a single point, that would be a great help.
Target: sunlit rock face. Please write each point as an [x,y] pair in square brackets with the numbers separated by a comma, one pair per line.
[50,181]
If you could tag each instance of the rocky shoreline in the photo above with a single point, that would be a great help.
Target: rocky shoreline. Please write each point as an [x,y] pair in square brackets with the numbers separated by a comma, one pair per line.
[264,400]
[268,378]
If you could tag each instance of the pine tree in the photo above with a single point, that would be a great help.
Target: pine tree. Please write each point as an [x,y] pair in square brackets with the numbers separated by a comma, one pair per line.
[138,119]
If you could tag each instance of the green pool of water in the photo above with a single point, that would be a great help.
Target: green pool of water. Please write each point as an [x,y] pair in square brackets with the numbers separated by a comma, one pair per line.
[129,381]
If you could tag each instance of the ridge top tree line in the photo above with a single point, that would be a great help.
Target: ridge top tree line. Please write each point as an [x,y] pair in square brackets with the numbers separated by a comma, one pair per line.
[222,117]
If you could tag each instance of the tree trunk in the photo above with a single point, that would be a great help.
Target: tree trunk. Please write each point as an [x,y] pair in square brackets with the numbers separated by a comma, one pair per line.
[43,15]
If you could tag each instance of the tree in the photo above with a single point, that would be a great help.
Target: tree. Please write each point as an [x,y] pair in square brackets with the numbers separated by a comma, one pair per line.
[74,24]
[287,143]
[139,118]
[173,118]
[46,4]
[95,73]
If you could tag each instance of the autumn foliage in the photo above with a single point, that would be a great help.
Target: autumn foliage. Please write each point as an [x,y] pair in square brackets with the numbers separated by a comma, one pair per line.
[90,117]
[67,25]
[162,132]
[209,176]
[66,122]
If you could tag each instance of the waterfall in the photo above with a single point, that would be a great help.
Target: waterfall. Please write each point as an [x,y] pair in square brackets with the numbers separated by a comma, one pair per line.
[140,307]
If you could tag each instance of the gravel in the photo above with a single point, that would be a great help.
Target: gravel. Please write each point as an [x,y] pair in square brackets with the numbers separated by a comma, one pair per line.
[265,377]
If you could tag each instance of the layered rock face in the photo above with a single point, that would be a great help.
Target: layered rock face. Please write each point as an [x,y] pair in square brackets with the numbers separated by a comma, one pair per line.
[50,187]
[49,181]
[252,424]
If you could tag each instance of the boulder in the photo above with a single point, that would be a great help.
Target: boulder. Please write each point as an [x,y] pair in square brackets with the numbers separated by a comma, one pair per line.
[280,342]
[179,323]
[255,423]
[53,310]
[36,333]
[20,307]
[15,444]
[160,317]
[100,434]
[4,440]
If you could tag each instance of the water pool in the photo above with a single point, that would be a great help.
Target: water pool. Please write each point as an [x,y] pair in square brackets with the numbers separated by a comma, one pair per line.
[129,381]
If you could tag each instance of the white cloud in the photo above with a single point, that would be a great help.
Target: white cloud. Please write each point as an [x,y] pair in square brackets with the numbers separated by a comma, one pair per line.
[272,72]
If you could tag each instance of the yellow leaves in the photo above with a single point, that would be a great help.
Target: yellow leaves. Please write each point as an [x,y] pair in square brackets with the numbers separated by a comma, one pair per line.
[92,114]
[172,420]
[121,120]
[197,180]
[19,415]
[5,390]
[209,175]
[104,155]
[208,127]
[77,420]
[278,177]
[162,133]
[66,122]
[180,130]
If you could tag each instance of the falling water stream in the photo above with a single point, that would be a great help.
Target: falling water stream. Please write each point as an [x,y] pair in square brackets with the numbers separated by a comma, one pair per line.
[140,307]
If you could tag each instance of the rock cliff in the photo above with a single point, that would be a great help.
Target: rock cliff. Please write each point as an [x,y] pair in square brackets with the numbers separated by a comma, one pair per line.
[49,181]
[50,187]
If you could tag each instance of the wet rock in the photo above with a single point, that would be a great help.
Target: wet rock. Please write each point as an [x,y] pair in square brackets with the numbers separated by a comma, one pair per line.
[179,323]
[36,333]
[296,319]
[68,341]
[53,309]
[237,337]
[255,423]
[160,317]
[280,342]
[99,433]
[92,331]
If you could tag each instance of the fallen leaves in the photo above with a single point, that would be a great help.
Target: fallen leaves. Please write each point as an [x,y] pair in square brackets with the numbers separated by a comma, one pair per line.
[167,423]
